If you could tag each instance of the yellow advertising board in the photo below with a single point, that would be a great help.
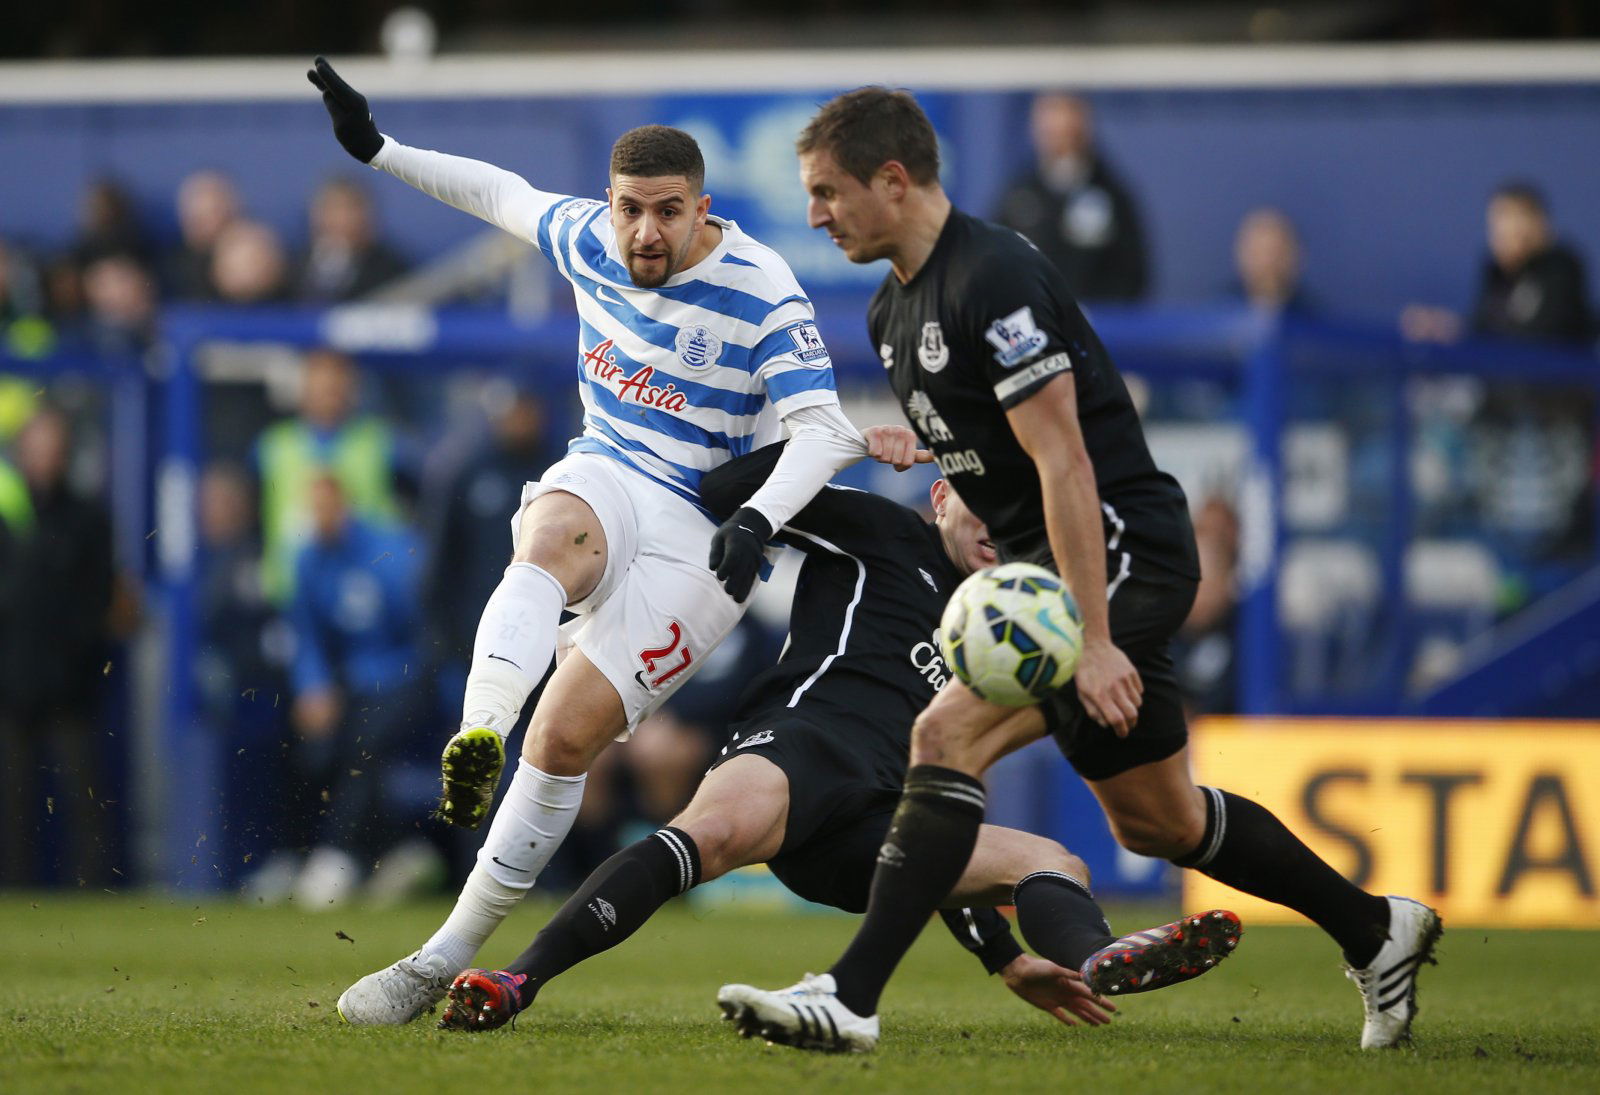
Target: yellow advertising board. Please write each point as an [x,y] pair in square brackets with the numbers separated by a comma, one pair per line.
[1496,824]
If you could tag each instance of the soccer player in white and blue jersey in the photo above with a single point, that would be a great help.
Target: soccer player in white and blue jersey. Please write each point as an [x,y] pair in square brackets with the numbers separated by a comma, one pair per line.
[695,345]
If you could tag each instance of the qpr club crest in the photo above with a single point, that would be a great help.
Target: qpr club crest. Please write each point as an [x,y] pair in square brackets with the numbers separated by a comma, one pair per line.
[931,350]
[697,346]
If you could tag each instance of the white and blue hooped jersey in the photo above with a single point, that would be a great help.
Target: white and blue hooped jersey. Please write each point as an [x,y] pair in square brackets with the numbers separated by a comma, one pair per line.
[678,379]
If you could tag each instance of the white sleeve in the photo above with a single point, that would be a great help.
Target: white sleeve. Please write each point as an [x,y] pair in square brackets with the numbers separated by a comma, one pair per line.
[822,441]
[498,196]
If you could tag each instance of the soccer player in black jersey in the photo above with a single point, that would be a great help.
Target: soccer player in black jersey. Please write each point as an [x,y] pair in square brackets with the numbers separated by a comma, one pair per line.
[1007,385]
[814,765]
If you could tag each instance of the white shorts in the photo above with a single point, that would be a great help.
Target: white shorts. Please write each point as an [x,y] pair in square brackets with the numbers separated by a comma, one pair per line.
[658,610]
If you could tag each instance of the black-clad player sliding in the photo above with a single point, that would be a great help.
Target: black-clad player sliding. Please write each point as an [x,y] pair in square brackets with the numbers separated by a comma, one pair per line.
[1007,384]
[813,769]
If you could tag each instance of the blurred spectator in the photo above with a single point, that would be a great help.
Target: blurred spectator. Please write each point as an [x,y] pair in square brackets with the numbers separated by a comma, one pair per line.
[345,259]
[248,265]
[1532,286]
[359,450]
[1526,457]
[235,616]
[63,290]
[240,666]
[1206,649]
[1266,259]
[208,202]
[120,295]
[355,683]
[55,593]
[108,224]
[1074,207]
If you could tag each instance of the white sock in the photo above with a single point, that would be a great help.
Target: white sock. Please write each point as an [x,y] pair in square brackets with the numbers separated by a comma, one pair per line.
[529,825]
[516,640]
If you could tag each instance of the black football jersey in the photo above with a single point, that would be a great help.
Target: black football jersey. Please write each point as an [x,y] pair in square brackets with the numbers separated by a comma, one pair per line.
[981,327]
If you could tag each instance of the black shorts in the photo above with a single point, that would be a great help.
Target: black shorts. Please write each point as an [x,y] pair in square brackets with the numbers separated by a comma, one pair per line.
[1145,615]
[844,784]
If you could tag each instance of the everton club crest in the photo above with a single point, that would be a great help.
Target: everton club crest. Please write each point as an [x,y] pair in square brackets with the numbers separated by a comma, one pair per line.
[931,350]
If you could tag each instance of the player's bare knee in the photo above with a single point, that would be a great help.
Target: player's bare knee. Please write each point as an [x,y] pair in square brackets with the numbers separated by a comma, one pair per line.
[1049,855]
[1067,863]
[563,548]
[1160,836]
[560,533]
[716,839]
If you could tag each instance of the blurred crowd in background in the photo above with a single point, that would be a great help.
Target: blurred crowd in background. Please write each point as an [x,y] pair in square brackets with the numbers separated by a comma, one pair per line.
[350,537]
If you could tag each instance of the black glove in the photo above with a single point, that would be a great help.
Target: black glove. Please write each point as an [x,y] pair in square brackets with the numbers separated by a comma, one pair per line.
[737,551]
[352,119]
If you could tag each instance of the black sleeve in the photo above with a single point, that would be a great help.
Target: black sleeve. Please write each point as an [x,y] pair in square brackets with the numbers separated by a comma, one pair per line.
[847,518]
[985,933]
[1017,323]
[724,489]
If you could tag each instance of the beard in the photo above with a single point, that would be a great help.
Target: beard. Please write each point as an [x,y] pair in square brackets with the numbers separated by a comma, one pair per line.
[659,271]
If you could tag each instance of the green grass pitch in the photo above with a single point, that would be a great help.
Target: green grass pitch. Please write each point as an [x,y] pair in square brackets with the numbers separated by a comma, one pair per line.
[144,993]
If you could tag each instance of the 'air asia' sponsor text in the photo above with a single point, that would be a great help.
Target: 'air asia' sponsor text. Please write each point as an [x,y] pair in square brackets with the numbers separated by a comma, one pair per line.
[603,366]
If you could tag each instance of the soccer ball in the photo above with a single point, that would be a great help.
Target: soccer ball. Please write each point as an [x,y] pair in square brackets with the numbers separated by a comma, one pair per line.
[1012,633]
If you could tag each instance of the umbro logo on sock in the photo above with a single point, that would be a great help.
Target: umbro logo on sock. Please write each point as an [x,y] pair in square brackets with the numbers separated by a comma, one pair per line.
[604,912]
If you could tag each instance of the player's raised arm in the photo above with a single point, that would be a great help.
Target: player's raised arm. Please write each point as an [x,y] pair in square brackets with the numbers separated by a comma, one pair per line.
[500,197]
[841,515]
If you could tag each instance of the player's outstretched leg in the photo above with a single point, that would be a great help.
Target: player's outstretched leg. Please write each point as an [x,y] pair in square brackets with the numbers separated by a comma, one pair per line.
[807,1015]
[1157,810]
[578,714]
[613,903]
[1158,957]
[1245,846]
[1388,983]
[530,824]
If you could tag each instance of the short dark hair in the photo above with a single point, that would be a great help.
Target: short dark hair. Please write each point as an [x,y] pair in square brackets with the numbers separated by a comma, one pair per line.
[651,151]
[1523,193]
[866,128]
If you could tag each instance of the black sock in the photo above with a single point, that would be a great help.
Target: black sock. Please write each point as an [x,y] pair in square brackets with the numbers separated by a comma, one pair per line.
[612,904]
[1248,848]
[1060,918]
[931,839]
